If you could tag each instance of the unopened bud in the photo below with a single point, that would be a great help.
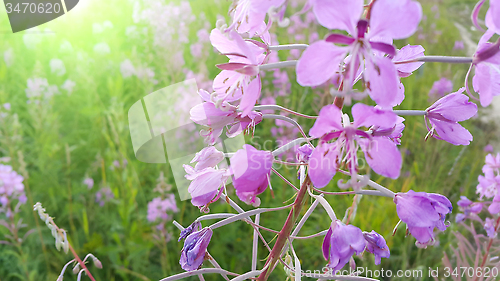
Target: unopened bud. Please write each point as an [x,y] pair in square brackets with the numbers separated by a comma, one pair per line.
[97,263]
[60,278]
[76,269]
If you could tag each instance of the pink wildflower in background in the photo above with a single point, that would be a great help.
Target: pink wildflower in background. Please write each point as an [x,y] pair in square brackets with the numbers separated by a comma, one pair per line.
[440,88]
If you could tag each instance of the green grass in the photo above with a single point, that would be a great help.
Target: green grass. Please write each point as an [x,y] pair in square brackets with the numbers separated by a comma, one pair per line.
[81,134]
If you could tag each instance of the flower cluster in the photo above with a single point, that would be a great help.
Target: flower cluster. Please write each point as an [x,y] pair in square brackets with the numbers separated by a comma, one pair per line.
[358,59]
[12,194]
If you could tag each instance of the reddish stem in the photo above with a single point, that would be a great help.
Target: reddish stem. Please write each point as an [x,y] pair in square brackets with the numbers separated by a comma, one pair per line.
[485,257]
[285,232]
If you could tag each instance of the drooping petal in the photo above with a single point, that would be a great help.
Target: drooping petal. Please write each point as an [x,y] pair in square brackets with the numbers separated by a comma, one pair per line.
[415,211]
[486,82]
[323,164]
[250,96]
[338,14]
[492,16]
[383,81]
[384,157]
[319,62]
[326,244]
[366,116]
[397,19]
[451,132]
[454,107]
[328,121]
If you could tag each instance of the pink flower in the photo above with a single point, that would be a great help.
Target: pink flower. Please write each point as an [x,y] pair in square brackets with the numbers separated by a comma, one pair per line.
[217,118]
[422,212]
[445,114]
[489,226]
[381,153]
[235,82]
[205,179]
[158,208]
[389,20]
[251,169]
[340,243]
[459,45]
[441,87]
[89,182]
[494,208]
[486,80]
[249,15]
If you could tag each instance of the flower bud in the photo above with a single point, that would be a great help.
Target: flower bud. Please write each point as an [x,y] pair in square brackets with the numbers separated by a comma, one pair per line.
[97,262]
[76,269]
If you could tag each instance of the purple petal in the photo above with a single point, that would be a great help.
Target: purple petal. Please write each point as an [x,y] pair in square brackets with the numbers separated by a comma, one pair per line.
[383,81]
[338,14]
[366,116]
[326,243]
[415,211]
[250,96]
[339,39]
[328,121]
[451,132]
[454,107]
[319,62]
[486,82]
[492,16]
[384,48]
[406,53]
[323,164]
[396,19]
[383,157]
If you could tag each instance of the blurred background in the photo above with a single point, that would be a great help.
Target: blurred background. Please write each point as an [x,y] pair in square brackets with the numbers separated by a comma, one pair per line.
[65,90]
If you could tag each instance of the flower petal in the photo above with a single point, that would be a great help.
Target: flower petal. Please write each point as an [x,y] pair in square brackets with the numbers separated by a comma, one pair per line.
[319,62]
[328,121]
[323,164]
[396,19]
[406,53]
[250,96]
[366,116]
[338,14]
[486,82]
[452,132]
[383,157]
[383,81]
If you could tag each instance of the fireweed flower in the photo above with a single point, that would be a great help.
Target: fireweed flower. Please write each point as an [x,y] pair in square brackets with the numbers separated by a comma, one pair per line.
[441,87]
[381,153]
[422,212]
[195,247]
[389,20]
[251,169]
[486,60]
[217,118]
[408,52]
[341,242]
[206,180]
[376,245]
[235,81]
[489,226]
[467,207]
[444,116]
[195,226]
[249,15]
[489,184]
[158,208]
